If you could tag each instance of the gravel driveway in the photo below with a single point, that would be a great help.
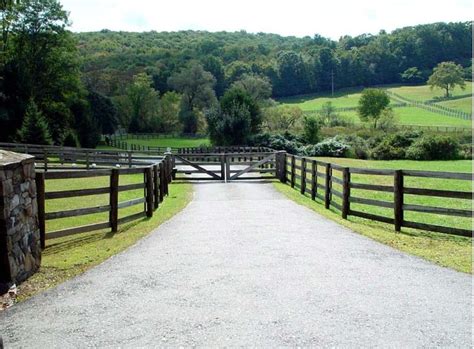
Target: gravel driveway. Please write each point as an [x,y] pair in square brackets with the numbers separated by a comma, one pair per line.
[244,266]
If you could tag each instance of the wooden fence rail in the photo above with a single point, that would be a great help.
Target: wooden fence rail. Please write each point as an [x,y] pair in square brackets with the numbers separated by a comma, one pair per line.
[298,169]
[156,178]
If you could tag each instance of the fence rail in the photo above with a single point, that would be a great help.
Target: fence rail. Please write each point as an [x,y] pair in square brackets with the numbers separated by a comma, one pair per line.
[305,174]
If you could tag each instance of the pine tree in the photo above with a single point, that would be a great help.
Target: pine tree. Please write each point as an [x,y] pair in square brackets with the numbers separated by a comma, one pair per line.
[34,129]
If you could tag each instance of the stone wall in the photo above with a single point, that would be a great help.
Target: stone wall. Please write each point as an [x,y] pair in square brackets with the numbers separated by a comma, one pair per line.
[20,246]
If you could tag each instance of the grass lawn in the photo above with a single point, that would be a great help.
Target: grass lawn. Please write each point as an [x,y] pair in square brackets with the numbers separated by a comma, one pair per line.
[70,256]
[417,117]
[424,92]
[462,104]
[171,142]
[445,250]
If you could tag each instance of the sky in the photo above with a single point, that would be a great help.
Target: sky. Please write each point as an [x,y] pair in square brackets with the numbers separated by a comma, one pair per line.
[329,18]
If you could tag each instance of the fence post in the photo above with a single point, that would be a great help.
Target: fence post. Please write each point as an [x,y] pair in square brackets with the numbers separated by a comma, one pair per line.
[113,216]
[40,197]
[346,192]
[130,159]
[156,188]
[149,191]
[398,199]
[162,181]
[314,179]
[303,176]
[87,160]
[327,196]
[222,159]
[293,160]
[45,154]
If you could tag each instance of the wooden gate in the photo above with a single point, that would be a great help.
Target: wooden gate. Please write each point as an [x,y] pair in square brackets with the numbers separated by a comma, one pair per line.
[199,167]
[245,166]
[226,166]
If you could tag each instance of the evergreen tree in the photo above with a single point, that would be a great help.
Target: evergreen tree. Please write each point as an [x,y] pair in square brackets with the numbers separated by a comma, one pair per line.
[34,129]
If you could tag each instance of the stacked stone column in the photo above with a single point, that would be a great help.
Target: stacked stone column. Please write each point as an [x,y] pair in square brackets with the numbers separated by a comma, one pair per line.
[20,247]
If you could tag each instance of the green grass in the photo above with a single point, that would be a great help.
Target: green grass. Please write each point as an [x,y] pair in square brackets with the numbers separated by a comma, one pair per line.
[424,92]
[417,117]
[445,250]
[462,104]
[70,256]
[415,182]
[171,142]
[407,115]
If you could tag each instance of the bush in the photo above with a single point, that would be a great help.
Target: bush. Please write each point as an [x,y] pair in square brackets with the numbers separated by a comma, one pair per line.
[434,148]
[394,146]
[311,129]
[359,147]
[70,139]
[330,147]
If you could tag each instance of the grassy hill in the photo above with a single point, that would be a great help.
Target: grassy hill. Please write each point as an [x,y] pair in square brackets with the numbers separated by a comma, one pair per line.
[410,115]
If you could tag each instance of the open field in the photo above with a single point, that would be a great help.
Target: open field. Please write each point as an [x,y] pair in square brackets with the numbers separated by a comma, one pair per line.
[406,115]
[463,104]
[417,117]
[67,257]
[424,92]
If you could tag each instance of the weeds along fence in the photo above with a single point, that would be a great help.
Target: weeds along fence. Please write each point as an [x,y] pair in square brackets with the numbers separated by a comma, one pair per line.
[95,198]
[389,196]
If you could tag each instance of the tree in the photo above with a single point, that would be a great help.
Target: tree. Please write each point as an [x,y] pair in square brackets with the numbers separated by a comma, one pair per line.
[412,75]
[258,87]
[372,103]
[235,120]
[328,113]
[42,64]
[196,86]
[241,97]
[104,112]
[34,129]
[281,118]
[169,112]
[447,75]
[143,101]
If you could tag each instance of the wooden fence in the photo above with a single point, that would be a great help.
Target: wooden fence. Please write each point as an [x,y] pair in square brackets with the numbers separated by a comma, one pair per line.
[318,179]
[58,157]
[155,182]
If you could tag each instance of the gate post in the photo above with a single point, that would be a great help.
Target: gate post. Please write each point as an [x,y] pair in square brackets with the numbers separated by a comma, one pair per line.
[281,166]
[223,162]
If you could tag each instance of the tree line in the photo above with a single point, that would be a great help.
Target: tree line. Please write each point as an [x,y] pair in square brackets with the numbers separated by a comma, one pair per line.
[65,88]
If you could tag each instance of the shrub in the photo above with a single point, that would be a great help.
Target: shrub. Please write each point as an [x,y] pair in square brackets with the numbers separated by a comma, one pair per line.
[358,146]
[433,147]
[330,147]
[70,139]
[394,147]
[311,129]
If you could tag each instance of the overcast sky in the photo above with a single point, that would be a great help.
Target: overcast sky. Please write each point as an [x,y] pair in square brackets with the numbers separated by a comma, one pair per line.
[329,18]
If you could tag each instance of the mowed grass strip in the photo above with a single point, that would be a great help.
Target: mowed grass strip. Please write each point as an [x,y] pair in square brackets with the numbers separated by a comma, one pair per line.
[70,256]
[445,250]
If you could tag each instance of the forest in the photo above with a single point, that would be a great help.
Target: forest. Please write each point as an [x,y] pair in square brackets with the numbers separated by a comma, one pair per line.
[70,88]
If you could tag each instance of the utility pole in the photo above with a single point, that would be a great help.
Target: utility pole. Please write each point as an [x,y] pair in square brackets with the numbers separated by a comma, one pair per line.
[332,82]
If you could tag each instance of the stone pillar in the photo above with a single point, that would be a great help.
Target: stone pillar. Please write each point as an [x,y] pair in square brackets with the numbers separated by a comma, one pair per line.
[20,248]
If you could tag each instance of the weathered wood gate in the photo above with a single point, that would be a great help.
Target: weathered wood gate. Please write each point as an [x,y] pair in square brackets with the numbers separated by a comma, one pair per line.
[227,166]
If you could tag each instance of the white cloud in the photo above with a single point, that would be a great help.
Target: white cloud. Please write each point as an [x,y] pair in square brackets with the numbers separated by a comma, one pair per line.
[297,17]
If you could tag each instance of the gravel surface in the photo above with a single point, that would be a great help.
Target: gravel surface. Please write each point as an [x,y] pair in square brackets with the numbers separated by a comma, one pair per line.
[244,266]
